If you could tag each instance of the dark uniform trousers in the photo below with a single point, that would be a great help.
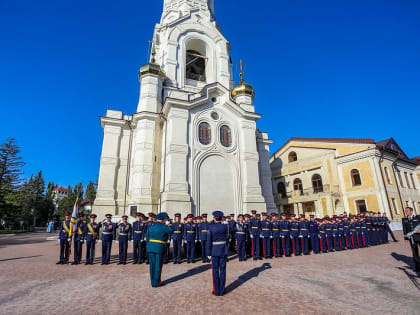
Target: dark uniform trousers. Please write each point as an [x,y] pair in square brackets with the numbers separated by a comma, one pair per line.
[90,251]
[138,251]
[64,251]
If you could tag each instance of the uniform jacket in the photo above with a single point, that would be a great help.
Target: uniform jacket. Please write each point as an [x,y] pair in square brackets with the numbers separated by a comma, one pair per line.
[217,240]
[304,228]
[409,224]
[284,228]
[90,234]
[266,229]
[203,230]
[109,231]
[190,231]
[177,231]
[313,227]
[125,231]
[63,231]
[156,237]
[138,231]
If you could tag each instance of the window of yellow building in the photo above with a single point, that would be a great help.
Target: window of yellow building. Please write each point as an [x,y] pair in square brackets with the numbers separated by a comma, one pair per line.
[317,183]
[394,205]
[388,178]
[292,157]
[412,180]
[361,206]
[400,179]
[355,177]
[297,186]
[406,179]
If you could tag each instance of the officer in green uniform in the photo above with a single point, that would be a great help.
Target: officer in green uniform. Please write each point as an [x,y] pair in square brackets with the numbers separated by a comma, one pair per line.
[156,237]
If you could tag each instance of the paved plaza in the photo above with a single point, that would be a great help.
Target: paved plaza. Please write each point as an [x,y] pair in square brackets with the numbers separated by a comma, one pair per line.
[365,281]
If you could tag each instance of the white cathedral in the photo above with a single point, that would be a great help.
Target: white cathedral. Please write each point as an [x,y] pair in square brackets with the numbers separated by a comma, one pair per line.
[193,145]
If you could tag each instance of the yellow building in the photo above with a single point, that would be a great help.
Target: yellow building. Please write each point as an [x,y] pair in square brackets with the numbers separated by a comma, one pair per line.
[327,176]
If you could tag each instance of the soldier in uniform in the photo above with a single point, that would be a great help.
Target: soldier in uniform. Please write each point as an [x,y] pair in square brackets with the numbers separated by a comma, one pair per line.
[285,235]
[203,230]
[232,224]
[255,232]
[347,231]
[64,240]
[388,229]
[123,238]
[304,234]
[138,232]
[217,246]
[248,246]
[156,238]
[241,231]
[329,234]
[410,223]
[313,232]
[294,235]
[353,233]
[341,237]
[79,238]
[323,236]
[92,233]
[177,236]
[109,231]
[275,227]
[266,235]
[190,236]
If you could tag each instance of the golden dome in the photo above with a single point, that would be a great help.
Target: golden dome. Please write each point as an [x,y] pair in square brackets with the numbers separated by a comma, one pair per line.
[243,89]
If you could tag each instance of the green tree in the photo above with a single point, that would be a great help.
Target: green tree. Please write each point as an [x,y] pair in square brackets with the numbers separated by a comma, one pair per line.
[90,193]
[11,165]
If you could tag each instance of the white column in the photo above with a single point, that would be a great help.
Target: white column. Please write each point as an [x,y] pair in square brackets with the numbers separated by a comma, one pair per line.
[252,193]
[176,197]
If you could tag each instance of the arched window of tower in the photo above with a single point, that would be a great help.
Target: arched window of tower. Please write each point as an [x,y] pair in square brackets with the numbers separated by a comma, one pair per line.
[196,60]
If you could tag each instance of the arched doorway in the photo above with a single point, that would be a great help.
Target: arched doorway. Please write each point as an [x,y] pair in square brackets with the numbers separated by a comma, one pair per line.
[217,190]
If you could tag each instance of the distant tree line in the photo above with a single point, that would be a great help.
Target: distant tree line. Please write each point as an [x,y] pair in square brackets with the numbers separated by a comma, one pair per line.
[28,202]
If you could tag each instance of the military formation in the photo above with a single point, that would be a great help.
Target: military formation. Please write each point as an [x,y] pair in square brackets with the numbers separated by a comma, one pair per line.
[251,236]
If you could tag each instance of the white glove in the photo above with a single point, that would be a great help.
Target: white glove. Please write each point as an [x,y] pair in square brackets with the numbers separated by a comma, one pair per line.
[209,257]
[271,236]
[252,236]
[167,223]
[169,242]
[184,241]
[291,236]
[300,236]
[82,241]
[131,241]
[69,240]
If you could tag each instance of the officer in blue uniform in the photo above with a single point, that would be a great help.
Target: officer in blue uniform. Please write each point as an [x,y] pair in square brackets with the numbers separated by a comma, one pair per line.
[341,238]
[294,235]
[92,234]
[322,236]
[275,228]
[304,234]
[241,233]
[336,236]
[123,238]
[347,232]
[313,232]
[177,236]
[248,246]
[232,240]
[329,234]
[190,236]
[266,235]
[138,231]
[255,232]
[64,240]
[353,233]
[156,238]
[109,231]
[285,235]
[79,238]
[217,246]
[203,230]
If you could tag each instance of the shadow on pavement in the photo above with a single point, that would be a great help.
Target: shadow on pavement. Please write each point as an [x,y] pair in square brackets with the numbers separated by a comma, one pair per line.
[189,273]
[19,258]
[405,259]
[253,273]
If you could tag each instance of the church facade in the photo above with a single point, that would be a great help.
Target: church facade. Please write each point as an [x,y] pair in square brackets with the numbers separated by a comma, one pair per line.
[192,145]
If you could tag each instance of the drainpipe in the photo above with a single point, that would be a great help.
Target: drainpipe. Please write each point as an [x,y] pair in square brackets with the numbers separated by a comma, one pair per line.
[383,181]
[396,180]
[164,162]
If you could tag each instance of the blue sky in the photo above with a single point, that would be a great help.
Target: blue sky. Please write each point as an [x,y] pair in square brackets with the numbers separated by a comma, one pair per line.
[320,68]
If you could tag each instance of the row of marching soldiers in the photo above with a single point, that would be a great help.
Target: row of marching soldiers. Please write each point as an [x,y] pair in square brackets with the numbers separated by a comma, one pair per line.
[258,236]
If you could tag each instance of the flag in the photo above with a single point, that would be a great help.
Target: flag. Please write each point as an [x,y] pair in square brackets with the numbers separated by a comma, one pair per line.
[74,217]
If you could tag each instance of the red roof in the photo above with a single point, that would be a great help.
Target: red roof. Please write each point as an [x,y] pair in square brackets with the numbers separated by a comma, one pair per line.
[60,189]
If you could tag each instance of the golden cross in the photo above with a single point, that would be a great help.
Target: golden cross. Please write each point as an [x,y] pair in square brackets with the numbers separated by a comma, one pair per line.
[241,70]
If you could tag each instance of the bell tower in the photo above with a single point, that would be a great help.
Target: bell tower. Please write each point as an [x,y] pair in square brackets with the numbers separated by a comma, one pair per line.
[185,5]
